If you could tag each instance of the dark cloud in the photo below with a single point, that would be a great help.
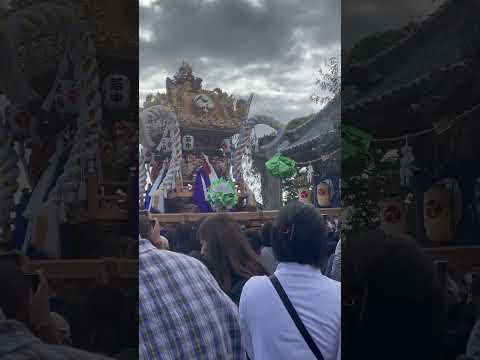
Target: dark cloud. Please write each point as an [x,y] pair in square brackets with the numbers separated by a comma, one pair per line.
[270,47]
[365,17]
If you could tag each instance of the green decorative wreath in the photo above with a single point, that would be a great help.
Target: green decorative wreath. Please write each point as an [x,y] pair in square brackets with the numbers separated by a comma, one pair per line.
[222,195]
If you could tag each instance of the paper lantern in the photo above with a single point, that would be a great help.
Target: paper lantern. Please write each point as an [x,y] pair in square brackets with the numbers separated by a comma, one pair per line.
[188,142]
[442,211]
[304,195]
[393,216]
[116,92]
[66,97]
[325,192]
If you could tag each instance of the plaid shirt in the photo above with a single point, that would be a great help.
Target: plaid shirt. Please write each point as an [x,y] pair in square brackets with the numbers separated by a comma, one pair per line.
[183,312]
[17,343]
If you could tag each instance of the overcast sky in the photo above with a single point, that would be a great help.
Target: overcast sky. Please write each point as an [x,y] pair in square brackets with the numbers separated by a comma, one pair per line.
[272,48]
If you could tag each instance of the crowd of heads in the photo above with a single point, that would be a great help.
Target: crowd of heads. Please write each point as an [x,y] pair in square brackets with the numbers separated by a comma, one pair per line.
[389,281]
[233,253]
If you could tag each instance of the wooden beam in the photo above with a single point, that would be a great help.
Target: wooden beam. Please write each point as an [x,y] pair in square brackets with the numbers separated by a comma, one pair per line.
[461,256]
[238,216]
[85,268]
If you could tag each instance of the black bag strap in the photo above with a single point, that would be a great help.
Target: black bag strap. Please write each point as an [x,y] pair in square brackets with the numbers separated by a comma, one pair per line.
[296,319]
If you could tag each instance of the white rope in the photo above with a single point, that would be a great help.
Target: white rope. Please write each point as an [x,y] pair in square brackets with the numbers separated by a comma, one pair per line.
[321,158]
[170,125]
[82,53]
[440,129]
[242,145]
[403,137]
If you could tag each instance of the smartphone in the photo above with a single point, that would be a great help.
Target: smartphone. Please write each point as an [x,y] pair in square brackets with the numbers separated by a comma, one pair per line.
[33,280]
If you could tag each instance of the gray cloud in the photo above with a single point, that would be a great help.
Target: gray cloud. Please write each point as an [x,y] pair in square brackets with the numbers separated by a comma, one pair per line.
[270,47]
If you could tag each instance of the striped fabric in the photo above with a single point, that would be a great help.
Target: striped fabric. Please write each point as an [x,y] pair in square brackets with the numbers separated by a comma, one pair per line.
[183,312]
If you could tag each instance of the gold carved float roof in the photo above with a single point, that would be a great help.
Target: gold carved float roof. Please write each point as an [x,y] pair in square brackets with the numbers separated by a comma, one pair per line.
[201,108]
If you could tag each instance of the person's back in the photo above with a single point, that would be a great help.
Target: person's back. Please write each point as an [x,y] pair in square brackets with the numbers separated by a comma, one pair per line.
[268,329]
[183,312]
[317,300]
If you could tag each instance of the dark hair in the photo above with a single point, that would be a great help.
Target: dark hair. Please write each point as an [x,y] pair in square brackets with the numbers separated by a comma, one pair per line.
[184,239]
[228,250]
[392,284]
[267,234]
[299,235]
[14,292]
[144,226]
[255,240]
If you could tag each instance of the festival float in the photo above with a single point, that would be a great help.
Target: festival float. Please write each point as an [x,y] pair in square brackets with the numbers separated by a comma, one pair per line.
[193,145]
[73,102]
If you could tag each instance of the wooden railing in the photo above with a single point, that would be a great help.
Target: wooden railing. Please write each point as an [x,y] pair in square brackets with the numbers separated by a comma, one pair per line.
[466,258]
[85,269]
[262,216]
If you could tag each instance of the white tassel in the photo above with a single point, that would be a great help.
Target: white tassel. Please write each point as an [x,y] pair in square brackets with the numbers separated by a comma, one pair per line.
[310,173]
[406,172]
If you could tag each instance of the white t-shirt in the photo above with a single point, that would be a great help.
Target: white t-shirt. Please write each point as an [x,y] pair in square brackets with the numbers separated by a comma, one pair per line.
[268,330]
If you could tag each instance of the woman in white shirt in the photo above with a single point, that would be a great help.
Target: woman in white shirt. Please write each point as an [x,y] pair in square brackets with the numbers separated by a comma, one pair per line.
[269,331]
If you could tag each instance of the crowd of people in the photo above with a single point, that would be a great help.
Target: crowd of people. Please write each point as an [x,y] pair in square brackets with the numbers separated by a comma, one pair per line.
[215,290]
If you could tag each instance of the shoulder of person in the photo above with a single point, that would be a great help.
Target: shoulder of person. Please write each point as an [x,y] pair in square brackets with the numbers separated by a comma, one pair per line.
[256,285]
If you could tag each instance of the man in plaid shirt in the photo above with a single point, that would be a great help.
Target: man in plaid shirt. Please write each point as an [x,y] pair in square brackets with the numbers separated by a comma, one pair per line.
[183,312]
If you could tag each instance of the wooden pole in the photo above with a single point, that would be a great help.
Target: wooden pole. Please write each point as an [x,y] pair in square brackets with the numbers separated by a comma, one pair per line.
[92,193]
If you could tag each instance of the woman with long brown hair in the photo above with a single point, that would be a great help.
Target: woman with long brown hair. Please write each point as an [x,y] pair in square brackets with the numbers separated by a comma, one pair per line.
[232,259]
